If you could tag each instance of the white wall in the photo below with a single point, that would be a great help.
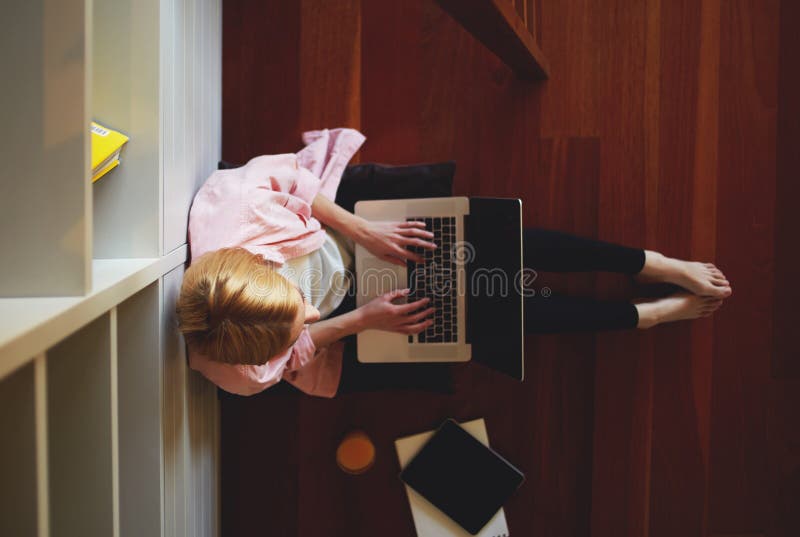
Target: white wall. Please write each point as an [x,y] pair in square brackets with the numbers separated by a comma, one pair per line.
[191,115]
[191,73]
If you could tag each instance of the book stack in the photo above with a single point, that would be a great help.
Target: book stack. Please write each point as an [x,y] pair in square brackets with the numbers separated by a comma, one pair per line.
[106,146]
[429,520]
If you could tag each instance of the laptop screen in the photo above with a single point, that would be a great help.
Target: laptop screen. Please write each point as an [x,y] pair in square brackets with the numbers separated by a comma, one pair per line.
[495,329]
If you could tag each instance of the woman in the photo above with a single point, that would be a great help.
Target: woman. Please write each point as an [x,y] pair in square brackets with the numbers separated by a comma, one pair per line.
[251,318]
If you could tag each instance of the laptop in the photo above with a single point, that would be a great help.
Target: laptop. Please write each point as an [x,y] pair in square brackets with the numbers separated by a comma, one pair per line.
[473,279]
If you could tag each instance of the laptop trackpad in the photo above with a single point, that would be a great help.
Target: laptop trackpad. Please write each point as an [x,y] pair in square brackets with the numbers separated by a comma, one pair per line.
[378,277]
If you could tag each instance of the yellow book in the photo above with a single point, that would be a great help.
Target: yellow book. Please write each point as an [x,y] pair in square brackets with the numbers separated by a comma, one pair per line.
[102,171]
[106,144]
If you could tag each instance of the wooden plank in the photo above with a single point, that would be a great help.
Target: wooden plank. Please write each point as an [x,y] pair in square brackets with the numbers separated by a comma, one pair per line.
[531,20]
[738,535]
[738,478]
[563,196]
[497,25]
[501,111]
[519,7]
[330,59]
[677,482]
[704,216]
[783,452]
[784,392]
[786,357]
[613,50]
[260,78]
[392,80]
[571,99]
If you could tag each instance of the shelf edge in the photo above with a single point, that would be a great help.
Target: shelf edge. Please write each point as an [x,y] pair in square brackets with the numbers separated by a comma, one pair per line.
[76,312]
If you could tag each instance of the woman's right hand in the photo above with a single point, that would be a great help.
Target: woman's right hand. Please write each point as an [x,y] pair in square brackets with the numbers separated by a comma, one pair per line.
[383,314]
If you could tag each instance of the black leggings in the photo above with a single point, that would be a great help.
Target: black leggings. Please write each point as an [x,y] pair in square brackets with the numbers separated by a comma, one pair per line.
[545,250]
[553,251]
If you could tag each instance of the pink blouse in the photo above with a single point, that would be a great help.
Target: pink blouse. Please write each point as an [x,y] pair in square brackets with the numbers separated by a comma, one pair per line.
[265,207]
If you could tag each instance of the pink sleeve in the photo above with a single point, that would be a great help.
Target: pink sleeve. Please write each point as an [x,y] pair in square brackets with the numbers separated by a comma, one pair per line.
[258,378]
[326,155]
[312,370]
[321,368]
[302,352]
[241,379]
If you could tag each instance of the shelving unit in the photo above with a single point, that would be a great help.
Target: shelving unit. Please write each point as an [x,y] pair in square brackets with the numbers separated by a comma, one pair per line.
[105,430]
[125,96]
[45,108]
[83,492]
[18,454]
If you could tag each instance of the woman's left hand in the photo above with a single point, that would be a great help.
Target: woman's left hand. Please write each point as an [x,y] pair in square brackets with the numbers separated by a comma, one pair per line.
[390,240]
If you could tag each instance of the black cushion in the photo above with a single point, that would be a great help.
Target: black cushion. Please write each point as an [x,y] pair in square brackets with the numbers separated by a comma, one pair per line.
[225,165]
[378,181]
[374,182]
[358,377]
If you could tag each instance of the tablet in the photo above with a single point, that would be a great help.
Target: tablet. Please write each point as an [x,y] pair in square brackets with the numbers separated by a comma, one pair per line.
[467,481]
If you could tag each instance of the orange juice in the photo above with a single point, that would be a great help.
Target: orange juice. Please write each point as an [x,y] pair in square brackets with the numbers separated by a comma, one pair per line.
[356,453]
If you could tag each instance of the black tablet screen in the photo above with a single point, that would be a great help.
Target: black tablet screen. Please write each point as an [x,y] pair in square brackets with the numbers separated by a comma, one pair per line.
[466,480]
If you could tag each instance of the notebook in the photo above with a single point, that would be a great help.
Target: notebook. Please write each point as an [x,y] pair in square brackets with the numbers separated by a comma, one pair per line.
[106,147]
[429,521]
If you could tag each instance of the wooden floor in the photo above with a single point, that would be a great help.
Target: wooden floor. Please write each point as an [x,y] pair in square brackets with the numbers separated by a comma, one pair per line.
[669,124]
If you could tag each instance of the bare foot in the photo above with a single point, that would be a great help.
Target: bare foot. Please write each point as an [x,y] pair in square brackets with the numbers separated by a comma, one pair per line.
[677,307]
[703,279]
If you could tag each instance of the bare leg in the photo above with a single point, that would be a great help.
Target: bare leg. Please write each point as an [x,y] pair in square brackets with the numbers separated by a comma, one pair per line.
[702,279]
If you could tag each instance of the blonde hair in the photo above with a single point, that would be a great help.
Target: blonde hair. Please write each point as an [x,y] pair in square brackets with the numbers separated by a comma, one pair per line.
[234,308]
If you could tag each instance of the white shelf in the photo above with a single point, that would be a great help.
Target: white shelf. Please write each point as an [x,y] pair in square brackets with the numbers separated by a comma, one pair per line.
[125,97]
[31,325]
[79,431]
[18,510]
[45,201]
[139,416]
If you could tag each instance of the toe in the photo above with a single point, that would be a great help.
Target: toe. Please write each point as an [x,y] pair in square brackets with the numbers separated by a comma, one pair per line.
[714,292]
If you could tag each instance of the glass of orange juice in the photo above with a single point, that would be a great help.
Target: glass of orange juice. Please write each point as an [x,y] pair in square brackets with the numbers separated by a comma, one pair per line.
[356,453]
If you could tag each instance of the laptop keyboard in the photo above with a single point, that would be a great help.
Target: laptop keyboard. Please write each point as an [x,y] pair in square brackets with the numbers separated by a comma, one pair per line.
[436,279]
